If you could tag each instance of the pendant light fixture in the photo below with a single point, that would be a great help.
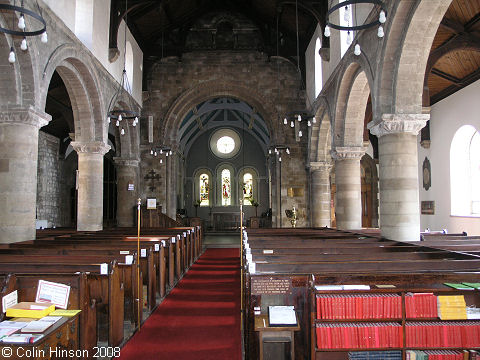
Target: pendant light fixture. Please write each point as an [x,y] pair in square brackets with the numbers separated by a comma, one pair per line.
[349,7]
[22,26]
[123,117]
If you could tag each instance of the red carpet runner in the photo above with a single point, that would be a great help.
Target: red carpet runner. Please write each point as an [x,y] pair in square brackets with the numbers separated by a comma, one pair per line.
[199,319]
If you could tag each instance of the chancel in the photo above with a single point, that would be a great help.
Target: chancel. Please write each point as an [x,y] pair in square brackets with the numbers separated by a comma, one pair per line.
[187,167]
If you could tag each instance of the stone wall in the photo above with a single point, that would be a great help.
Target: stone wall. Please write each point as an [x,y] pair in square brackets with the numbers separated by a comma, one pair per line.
[48,184]
[269,79]
[55,181]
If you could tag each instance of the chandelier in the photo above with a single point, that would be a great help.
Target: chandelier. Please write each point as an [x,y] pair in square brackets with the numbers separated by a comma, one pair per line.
[278,150]
[349,12]
[294,119]
[160,151]
[121,115]
[13,9]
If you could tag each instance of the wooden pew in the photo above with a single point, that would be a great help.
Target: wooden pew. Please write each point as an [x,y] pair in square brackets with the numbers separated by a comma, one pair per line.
[337,258]
[103,291]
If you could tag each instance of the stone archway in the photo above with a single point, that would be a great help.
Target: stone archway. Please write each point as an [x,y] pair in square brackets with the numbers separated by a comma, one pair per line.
[212,89]
[198,94]
[90,142]
[320,169]
[352,97]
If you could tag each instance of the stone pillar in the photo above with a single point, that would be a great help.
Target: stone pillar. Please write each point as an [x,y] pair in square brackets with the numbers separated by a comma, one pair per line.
[348,207]
[171,196]
[399,198]
[127,173]
[18,172]
[90,184]
[321,194]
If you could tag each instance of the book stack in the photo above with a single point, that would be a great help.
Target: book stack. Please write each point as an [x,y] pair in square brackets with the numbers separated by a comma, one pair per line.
[421,305]
[459,334]
[375,355]
[452,307]
[359,335]
[369,306]
[435,355]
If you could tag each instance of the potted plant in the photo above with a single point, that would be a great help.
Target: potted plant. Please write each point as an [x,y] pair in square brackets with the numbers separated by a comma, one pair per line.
[253,202]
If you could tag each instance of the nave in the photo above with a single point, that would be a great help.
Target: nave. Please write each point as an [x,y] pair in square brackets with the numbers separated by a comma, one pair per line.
[200,318]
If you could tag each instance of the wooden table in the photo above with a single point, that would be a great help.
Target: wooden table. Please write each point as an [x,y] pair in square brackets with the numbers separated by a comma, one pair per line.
[280,334]
[59,342]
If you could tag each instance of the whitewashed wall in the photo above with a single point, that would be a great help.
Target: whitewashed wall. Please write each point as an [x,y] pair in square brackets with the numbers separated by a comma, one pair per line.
[447,116]
[94,34]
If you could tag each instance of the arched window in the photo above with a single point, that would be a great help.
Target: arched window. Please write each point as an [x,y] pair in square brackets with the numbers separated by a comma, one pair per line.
[129,66]
[465,172]
[204,187]
[318,68]
[247,189]
[226,188]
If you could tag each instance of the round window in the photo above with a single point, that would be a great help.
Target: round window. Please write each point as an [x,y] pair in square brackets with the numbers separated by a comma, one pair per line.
[225,143]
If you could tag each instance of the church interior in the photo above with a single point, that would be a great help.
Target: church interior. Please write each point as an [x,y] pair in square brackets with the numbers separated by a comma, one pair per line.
[194,171]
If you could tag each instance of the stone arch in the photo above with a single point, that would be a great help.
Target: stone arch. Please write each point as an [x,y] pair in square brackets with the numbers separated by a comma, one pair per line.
[213,89]
[83,84]
[18,81]
[321,138]
[351,101]
[409,38]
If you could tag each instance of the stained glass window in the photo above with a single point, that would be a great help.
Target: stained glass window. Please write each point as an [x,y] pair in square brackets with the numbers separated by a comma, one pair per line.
[204,190]
[226,188]
[247,189]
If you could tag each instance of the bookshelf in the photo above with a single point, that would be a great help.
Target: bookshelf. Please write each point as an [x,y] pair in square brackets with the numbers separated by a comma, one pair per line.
[392,323]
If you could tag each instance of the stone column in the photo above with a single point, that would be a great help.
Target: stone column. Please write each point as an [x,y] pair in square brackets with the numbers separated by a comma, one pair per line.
[90,184]
[321,194]
[18,172]
[127,173]
[348,207]
[398,159]
[171,196]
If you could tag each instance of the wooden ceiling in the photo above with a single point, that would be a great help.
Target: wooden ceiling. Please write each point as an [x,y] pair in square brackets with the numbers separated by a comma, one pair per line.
[455,55]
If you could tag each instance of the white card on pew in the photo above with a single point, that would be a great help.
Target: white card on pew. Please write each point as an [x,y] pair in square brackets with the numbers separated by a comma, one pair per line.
[52,292]
[174,240]
[193,230]
[251,268]
[163,243]
[265,251]
[248,251]
[188,232]
[143,252]
[247,245]
[104,269]
[124,252]
[157,247]
[249,258]
[9,300]
[184,234]
[129,259]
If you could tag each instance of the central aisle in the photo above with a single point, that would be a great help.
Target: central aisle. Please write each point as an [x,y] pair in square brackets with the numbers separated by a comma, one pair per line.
[199,319]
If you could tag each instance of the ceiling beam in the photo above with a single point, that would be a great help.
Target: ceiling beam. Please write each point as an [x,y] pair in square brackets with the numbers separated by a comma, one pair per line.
[467,80]
[452,25]
[461,41]
[454,80]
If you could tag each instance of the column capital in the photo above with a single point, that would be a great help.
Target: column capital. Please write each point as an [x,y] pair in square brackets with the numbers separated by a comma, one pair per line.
[27,116]
[348,152]
[398,123]
[126,162]
[320,166]
[94,147]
